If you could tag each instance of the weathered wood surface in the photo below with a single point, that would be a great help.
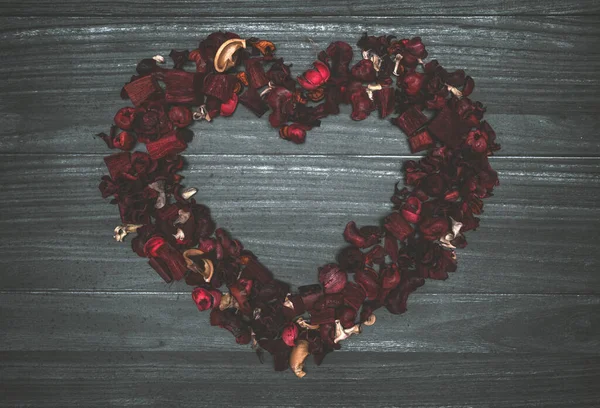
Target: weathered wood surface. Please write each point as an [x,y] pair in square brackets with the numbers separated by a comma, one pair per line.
[147,321]
[291,211]
[537,77]
[85,322]
[192,378]
[290,8]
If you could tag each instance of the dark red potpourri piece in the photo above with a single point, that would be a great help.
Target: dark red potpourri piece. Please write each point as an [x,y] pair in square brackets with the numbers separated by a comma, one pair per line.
[382,265]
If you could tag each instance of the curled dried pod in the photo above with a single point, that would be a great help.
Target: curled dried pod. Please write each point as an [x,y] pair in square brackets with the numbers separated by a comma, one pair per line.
[302,323]
[265,47]
[370,320]
[297,357]
[316,94]
[188,193]
[197,264]
[242,78]
[237,88]
[224,58]
[343,334]
[227,301]
[122,230]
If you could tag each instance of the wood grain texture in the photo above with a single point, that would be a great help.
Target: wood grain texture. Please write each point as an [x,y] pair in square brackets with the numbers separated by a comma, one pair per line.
[291,211]
[85,322]
[146,321]
[544,67]
[174,379]
[288,8]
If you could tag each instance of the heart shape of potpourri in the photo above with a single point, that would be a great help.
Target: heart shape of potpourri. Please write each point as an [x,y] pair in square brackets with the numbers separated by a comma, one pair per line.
[416,241]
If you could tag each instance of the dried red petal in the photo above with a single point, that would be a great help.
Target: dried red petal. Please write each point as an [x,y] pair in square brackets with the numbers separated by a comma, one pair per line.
[390,276]
[124,141]
[346,315]
[351,259]
[411,210]
[354,295]
[179,87]
[206,298]
[398,226]
[353,235]
[229,320]
[256,73]
[158,247]
[410,121]
[168,144]
[220,86]
[280,101]
[181,116]
[332,278]
[368,279]
[118,164]
[364,71]
[228,107]
[296,132]
[448,127]
[142,89]
[256,271]
[310,294]
[362,105]
[251,99]
[420,141]
[413,82]
[161,268]
[289,334]
[125,117]
[331,300]
[434,228]
[385,101]
[396,300]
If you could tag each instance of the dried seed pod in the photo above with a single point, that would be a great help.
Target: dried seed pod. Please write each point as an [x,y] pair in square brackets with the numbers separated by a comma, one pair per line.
[316,94]
[227,301]
[197,264]
[370,320]
[242,77]
[188,193]
[265,47]
[297,357]
[343,334]
[122,230]
[224,58]
[302,323]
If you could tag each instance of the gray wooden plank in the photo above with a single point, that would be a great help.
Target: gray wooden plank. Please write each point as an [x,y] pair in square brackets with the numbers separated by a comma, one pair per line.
[288,8]
[538,234]
[86,60]
[150,321]
[195,378]
[244,133]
